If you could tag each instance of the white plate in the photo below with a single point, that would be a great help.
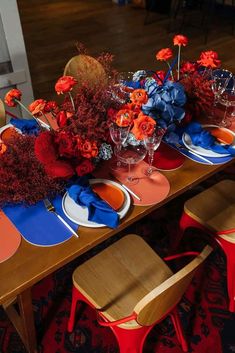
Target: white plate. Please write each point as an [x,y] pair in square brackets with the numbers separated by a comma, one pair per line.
[79,214]
[200,150]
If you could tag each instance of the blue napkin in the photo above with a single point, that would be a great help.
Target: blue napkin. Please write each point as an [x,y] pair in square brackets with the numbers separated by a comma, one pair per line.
[98,210]
[204,139]
[27,126]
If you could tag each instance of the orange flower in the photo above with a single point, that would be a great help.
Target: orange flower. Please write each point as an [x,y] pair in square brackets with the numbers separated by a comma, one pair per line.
[139,96]
[143,126]
[3,148]
[209,59]
[11,96]
[65,84]
[37,106]
[89,149]
[164,54]
[179,39]
[124,117]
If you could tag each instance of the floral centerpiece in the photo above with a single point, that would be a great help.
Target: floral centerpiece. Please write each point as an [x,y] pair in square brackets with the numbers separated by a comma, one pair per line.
[35,165]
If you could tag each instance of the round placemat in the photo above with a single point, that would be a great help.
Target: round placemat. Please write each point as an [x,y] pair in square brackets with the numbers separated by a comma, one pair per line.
[151,190]
[167,158]
[10,238]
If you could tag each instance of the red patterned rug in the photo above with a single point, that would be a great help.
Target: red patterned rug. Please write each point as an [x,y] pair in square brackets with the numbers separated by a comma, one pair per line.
[208,324]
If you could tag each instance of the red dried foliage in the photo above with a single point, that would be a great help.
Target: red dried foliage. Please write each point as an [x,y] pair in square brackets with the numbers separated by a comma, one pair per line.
[199,93]
[22,177]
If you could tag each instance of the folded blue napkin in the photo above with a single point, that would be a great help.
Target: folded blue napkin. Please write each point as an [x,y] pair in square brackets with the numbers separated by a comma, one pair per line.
[204,139]
[98,210]
[26,126]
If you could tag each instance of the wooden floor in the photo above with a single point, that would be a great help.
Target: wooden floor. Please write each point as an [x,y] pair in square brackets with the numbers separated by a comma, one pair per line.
[52,28]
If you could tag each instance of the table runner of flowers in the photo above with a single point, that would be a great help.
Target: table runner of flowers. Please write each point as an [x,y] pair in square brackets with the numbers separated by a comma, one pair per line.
[39,163]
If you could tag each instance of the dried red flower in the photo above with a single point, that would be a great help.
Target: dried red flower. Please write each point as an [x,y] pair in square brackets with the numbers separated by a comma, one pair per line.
[180,39]
[11,96]
[44,148]
[65,84]
[209,59]
[37,107]
[85,167]
[164,54]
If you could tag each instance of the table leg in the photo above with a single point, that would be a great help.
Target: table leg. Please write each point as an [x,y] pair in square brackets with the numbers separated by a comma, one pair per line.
[23,323]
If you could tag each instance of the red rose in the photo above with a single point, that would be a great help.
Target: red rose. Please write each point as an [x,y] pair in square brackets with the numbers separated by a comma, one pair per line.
[51,106]
[209,59]
[143,126]
[11,96]
[37,106]
[179,39]
[89,149]
[65,84]
[164,54]
[188,68]
[85,167]
[66,144]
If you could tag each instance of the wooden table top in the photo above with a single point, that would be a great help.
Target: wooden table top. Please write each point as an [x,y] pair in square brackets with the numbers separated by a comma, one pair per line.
[32,263]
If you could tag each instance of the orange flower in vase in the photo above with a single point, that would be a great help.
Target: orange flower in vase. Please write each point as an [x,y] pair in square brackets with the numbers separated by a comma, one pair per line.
[143,126]
[12,97]
[180,40]
[124,117]
[209,59]
[164,55]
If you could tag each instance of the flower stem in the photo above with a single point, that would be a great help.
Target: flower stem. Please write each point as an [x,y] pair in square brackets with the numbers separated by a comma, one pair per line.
[23,107]
[47,120]
[72,101]
[179,52]
[170,70]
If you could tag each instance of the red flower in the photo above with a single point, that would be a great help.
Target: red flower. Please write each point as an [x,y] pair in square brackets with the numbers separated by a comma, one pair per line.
[143,126]
[209,59]
[85,167]
[11,96]
[61,118]
[179,39]
[65,84]
[66,144]
[124,117]
[159,76]
[59,169]
[188,67]
[164,54]
[139,96]
[89,149]
[37,106]
[51,106]
[44,148]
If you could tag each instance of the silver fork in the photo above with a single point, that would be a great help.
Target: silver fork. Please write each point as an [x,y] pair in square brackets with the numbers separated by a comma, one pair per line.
[184,149]
[51,208]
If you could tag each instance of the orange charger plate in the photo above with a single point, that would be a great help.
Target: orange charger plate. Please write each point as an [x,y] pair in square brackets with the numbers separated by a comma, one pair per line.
[109,193]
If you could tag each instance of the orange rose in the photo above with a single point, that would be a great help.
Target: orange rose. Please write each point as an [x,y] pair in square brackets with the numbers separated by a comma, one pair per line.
[89,149]
[139,96]
[37,106]
[11,96]
[164,54]
[3,148]
[65,84]
[209,59]
[124,117]
[179,39]
[143,126]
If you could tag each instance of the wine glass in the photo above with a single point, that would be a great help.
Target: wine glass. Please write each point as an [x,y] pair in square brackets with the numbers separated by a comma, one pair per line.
[132,154]
[220,79]
[152,143]
[118,135]
[228,100]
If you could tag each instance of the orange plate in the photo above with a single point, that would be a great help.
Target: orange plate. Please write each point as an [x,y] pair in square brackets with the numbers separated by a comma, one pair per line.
[109,193]
[8,133]
[222,135]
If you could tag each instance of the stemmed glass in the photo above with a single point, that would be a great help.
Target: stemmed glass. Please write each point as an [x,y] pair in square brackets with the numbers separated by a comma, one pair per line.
[152,143]
[228,100]
[118,135]
[132,154]
[220,79]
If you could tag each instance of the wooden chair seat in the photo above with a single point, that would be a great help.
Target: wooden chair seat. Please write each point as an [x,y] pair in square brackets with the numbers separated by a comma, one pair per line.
[214,208]
[116,279]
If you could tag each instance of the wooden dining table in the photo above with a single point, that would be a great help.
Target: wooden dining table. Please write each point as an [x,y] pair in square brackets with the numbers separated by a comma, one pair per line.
[31,264]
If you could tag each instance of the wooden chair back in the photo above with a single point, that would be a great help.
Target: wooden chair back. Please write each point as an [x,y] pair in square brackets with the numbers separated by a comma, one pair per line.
[156,304]
[85,69]
[2,114]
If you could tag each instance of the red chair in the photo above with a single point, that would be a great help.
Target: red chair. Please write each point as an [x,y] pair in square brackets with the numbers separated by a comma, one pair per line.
[213,211]
[131,288]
